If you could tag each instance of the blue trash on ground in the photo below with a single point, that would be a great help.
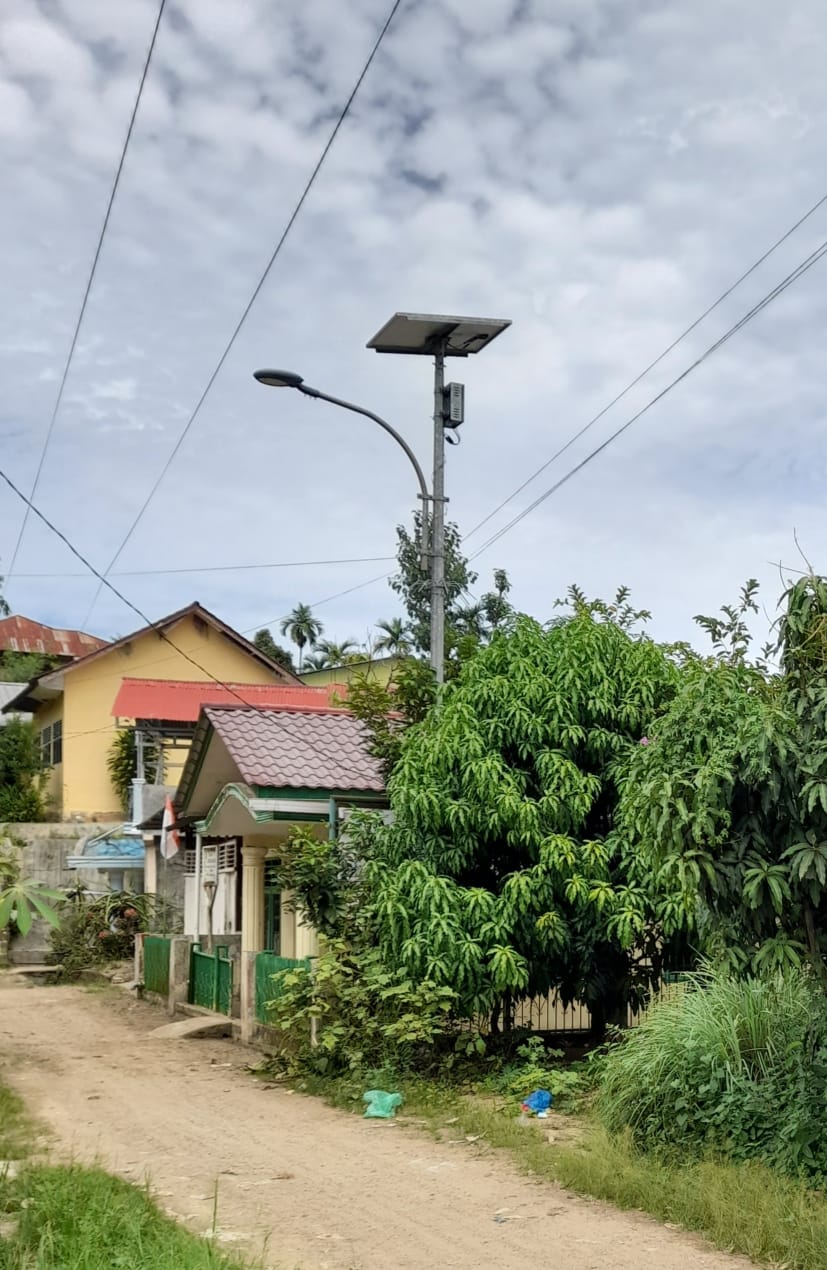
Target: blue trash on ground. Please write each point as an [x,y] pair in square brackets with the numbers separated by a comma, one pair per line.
[539,1102]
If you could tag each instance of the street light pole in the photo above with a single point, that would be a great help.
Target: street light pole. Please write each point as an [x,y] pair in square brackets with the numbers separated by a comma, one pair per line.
[439,335]
[287,379]
[438,521]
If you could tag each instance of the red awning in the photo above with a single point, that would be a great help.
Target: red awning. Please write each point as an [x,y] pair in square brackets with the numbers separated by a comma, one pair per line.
[179,702]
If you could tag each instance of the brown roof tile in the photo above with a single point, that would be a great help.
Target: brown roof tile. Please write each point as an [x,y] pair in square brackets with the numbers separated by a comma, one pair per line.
[294,750]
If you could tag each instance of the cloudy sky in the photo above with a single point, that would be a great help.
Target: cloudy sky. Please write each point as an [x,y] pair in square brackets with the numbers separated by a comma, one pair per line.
[599,171]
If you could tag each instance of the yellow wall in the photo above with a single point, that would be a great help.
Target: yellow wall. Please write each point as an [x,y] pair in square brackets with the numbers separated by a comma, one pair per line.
[51,712]
[380,670]
[89,694]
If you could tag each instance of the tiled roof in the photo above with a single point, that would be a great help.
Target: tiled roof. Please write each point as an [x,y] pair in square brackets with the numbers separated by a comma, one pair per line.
[181,702]
[22,635]
[288,749]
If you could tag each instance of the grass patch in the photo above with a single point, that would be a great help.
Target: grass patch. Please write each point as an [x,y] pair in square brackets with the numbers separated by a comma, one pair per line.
[74,1218]
[16,1130]
[746,1208]
[86,1219]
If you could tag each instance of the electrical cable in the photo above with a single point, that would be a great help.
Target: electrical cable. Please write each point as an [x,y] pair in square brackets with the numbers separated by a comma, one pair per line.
[577,435]
[782,286]
[220,568]
[273,258]
[86,294]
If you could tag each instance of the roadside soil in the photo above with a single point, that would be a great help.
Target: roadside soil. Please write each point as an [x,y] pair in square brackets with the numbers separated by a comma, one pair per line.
[298,1183]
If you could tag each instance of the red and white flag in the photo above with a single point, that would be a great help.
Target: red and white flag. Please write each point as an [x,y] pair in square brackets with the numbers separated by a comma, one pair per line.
[170,838]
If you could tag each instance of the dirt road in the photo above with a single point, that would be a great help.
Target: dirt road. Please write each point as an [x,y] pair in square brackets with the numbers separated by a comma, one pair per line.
[313,1187]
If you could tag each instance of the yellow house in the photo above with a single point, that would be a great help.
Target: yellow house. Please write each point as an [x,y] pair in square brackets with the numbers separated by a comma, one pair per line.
[378,668]
[72,706]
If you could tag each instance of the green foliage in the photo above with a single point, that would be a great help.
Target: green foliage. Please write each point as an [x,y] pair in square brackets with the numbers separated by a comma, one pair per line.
[395,640]
[367,1016]
[737,1066]
[70,1216]
[502,874]
[325,877]
[328,654]
[302,628]
[387,710]
[22,899]
[122,764]
[730,795]
[465,624]
[265,643]
[93,930]
[22,780]
[21,668]
[747,1208]
[537,1066]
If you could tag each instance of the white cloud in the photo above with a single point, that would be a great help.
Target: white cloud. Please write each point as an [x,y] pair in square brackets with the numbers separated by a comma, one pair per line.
[599,176]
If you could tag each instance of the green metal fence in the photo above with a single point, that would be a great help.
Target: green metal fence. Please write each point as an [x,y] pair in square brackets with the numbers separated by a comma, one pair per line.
[268,987]
[156,964]
[211,978]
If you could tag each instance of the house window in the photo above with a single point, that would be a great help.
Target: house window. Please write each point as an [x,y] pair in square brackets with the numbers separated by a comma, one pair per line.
[51,744]
[272,907]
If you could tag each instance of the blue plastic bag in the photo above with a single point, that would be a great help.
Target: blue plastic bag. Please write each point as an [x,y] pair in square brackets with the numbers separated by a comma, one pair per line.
[539,1102]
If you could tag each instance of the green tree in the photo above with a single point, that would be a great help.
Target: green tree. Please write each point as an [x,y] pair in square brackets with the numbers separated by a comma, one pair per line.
[302,628]
[502,874]
[21,668]
[329,654]
[395,639]
[265,643]
[22,780]
[468,621]
[387,710]
[122,764]
[730,795]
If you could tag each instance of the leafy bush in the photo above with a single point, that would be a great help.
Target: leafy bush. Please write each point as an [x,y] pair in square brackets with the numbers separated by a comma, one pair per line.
[366,1017]
[733,1066]
[122,764]
[536,1066]
[22,779]
[100,929]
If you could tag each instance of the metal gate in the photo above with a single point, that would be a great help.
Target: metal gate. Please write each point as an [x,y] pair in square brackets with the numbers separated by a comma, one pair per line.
[211,978]
[156,964]
[268,967]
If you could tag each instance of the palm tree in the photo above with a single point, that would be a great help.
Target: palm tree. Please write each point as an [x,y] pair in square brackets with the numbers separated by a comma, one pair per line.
[302,628]
[332,654]
[395,639]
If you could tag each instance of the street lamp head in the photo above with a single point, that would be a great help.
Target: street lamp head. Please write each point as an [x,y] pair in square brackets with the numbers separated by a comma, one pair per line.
[278,378]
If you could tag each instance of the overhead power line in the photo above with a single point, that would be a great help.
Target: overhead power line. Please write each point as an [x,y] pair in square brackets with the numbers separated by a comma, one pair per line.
[256,291]
[596,418]
[82,312]
[220,568]
[782,286]
[155,626]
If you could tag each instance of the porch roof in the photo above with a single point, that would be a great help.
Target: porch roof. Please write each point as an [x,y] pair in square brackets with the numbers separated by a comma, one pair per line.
[277,750]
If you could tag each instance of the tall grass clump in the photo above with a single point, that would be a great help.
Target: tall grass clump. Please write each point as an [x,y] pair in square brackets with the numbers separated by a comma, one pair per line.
[727,1066]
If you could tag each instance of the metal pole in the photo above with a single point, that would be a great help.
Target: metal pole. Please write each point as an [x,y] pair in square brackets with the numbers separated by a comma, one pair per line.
[400,440]
[438,523]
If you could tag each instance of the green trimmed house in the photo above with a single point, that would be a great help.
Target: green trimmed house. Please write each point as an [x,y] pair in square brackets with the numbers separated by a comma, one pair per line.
[250,775]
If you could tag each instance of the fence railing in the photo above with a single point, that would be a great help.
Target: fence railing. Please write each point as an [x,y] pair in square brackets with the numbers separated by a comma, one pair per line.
[268,987]
[156,964]
[211,978]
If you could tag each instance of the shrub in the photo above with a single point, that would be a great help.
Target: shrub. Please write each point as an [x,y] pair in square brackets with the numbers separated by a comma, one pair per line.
[733,1066]
[367,1017]
[96,930]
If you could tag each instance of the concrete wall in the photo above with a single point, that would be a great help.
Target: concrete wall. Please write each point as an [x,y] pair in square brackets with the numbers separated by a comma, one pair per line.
[44,858]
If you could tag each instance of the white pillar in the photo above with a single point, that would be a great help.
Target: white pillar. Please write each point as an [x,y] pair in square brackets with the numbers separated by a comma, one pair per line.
[252,929]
